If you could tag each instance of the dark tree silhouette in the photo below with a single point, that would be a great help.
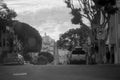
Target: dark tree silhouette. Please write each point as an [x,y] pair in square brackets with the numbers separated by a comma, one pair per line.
[6,17]
[29,36]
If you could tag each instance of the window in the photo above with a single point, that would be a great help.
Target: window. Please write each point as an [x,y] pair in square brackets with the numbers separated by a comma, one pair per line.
[78,51]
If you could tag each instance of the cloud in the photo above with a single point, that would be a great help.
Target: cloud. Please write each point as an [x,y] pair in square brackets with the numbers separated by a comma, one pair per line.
[54,29]
[41,16]
[33,5]
[52,21]
[47,16]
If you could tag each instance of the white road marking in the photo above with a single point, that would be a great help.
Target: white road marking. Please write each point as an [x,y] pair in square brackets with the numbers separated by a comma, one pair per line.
[19,74]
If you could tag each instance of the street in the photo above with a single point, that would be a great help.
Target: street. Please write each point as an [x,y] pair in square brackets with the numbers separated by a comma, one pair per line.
[60,72]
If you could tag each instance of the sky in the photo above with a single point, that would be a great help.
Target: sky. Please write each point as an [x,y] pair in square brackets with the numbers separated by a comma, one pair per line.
[47,16]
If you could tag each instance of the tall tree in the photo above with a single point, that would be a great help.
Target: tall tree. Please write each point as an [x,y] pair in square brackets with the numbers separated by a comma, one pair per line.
[98,13]
[30,38]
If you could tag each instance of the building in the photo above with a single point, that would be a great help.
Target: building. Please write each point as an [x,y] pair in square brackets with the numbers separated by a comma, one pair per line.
[49,45]
[117,28]
[114,38]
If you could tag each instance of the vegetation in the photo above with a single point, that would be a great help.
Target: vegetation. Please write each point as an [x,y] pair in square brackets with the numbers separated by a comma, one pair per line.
[47,55]
[98,13]
[73,37]
[27,36]
[6,16]
[42,60]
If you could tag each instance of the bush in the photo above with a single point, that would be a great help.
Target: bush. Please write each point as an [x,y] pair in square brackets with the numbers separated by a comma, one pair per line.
[42,60]
[48,56]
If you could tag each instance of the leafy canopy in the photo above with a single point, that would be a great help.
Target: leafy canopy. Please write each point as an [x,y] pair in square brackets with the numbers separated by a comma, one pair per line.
[90,9]
[6,13]
[72,38]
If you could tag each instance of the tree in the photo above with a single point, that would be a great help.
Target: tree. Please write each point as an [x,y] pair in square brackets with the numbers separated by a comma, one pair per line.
[27,36]
[30,38]
[72,37]
[6,15]
[98,13]
[6,18]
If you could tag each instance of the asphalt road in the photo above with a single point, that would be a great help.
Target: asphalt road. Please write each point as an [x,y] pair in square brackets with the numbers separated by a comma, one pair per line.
[61,72]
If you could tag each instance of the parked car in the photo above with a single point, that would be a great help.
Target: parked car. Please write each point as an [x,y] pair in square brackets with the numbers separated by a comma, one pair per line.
[77,56]
[16,59]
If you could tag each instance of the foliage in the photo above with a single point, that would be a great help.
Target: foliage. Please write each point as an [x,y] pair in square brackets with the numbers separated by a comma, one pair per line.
[70,39]
[24,31]
[42,60]
[89,8]
[107,5]
[98,14]
[47,55]
[29,36]
[6,14]
[92,11]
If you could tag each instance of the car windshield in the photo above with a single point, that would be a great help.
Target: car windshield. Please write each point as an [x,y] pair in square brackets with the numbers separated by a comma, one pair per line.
[78,51]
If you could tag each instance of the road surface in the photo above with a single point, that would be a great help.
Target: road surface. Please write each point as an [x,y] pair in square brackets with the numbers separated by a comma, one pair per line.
[60,72]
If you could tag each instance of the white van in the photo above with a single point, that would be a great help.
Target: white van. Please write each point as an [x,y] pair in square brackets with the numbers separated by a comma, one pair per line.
[78,56]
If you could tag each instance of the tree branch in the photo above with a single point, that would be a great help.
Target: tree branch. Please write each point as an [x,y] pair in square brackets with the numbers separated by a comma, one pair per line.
[86,10]
[106,19]
[80,3]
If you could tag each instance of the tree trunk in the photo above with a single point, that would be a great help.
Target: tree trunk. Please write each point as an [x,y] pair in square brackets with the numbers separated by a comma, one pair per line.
[101,51]
[90,41]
